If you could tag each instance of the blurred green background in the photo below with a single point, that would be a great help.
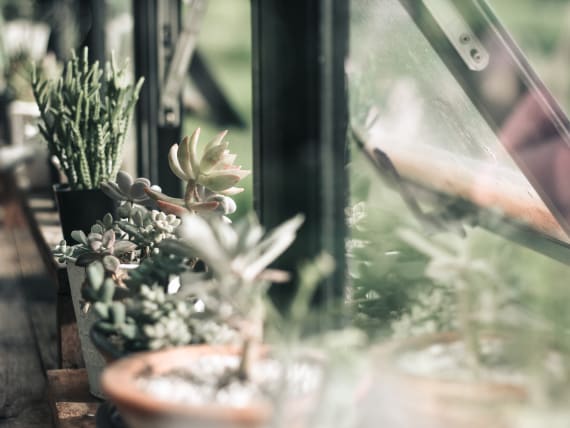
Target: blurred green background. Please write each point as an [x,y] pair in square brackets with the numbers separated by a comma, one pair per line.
[387,275]
[225,40]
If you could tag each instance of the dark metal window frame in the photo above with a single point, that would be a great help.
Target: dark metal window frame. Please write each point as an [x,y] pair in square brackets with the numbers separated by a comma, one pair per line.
[300,123]
[156,26]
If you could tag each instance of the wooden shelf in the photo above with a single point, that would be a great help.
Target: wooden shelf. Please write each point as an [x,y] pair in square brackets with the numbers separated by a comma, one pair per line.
[72,404]
[43,220]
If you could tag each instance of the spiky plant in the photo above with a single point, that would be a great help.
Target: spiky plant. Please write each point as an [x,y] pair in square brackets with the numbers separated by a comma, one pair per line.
[85,115]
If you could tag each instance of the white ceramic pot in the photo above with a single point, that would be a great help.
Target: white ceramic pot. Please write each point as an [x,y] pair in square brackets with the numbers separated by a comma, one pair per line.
[94,361]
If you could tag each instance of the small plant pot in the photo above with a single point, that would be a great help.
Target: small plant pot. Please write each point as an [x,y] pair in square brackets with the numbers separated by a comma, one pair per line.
[80,209]
[94,360]
[403,399]
[141,408]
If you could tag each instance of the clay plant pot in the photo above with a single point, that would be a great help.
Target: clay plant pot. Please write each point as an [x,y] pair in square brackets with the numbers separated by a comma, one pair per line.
[80,209]
[402,399]
[94,360]
[139,409]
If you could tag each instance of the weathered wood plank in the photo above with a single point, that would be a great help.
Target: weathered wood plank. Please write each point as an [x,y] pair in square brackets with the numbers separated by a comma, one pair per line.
[76,415]
[40,295]
[22,382]
[44,228]
[70,385]
[69,396]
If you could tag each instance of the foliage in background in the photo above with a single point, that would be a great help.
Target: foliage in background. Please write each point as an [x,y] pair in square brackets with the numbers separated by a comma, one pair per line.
[85,115]
[228,55]
[385,272]
[18,74]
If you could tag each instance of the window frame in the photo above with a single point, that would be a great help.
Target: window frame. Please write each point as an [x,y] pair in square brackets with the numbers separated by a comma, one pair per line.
[300,121]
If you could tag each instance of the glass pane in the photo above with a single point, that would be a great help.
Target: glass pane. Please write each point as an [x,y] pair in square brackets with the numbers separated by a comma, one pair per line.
[119,42]
[436,188]
[542,29]
[407,103]
[227,57]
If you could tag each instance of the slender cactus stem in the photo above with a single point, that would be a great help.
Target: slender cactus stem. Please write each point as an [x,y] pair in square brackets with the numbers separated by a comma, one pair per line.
[85,116]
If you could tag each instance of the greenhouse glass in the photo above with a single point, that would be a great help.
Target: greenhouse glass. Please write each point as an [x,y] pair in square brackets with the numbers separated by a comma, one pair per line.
[459,210]
[459,145]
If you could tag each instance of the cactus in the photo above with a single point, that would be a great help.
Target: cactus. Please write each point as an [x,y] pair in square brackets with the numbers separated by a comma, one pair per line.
[85,115]
[210,180]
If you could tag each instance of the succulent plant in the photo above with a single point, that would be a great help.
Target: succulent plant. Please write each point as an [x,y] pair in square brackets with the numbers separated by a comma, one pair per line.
[219,305]
[210,179]
[158,269]
[101,244]
[129,190]
[237,258]
[105,247]
[138,219]
[148,318]
[85,115]
[242,251]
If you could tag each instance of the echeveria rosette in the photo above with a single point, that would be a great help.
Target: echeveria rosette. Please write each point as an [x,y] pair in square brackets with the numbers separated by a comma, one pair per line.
[104,247]
[210,179]
[127,189]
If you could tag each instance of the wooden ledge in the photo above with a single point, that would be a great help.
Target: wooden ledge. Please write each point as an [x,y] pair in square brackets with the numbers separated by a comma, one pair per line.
[71,403]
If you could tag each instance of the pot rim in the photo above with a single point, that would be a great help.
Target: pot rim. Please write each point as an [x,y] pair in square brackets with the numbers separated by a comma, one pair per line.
[387,354]
[125,266]
[66,187]
[118,383]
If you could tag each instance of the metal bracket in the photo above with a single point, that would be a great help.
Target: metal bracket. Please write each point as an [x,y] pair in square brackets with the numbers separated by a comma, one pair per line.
[175,57]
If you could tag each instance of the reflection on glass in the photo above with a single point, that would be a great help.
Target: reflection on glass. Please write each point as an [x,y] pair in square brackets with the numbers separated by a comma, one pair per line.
[407,103]
[446,148]
[542,29]
[119,30]
[227,57]
[119,42]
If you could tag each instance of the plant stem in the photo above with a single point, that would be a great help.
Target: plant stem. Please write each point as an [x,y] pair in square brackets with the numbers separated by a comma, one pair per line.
[245,361]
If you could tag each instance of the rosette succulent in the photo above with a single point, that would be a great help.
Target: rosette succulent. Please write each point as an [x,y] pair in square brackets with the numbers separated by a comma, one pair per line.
[103,246]
[210,179]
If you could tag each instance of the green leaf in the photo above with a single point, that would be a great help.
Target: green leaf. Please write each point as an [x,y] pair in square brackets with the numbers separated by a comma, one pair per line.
[107,291]
[87,259]
[79,236]
[101,309]
[95,274]
[111,263]
[118,313]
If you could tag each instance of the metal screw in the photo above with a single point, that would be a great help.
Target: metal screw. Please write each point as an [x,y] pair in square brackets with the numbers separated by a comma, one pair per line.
[465,38]
[475,55]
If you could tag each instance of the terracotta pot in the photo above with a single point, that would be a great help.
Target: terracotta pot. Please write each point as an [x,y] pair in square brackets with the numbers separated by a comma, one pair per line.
[141,410]
[399,399]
